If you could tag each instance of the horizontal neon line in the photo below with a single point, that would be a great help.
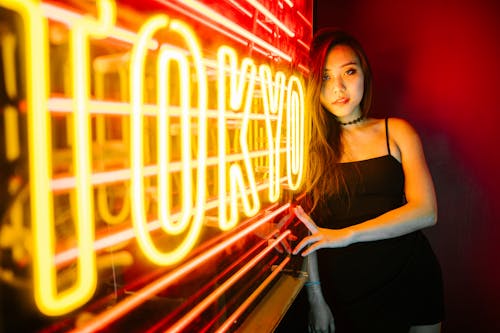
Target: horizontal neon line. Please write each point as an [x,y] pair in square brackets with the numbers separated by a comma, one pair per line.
[241,8]
[303,44]
[64,257]
[201,306]
[69,18]
[264,26]
[250,299]
[110,177]
[64,105]
[303,68]
[108,316]
[306,21]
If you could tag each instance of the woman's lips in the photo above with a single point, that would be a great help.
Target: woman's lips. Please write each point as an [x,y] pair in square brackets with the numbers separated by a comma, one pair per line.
[343,100]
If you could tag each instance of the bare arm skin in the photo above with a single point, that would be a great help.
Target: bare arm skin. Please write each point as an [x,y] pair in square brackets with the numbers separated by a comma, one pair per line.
[320,315]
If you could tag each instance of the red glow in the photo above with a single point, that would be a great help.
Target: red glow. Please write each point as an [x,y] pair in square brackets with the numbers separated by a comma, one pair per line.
[120,309]
[212,19]
[236,314]
[200,307]
[207,287]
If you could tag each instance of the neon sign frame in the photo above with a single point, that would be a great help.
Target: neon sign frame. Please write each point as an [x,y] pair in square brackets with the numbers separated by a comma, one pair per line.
[236,81]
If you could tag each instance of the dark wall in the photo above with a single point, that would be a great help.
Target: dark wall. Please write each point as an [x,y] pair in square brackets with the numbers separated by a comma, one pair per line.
[435,63]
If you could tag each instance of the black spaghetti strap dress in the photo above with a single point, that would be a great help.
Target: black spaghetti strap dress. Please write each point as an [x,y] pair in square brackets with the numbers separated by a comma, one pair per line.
[379,286]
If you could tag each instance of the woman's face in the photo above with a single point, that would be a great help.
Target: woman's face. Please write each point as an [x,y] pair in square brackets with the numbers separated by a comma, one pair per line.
[343,83]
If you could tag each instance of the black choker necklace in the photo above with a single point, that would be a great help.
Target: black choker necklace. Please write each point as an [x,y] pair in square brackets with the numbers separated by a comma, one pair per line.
[355,121]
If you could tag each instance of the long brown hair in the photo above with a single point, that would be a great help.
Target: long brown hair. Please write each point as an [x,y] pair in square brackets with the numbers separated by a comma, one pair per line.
[322,177]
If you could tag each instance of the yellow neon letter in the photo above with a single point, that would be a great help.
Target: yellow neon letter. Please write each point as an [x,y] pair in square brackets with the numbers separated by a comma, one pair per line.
[81,32]
[273,96]
[42,214]
[237,100]
[167,54]
[47,297]
[139,216]
[295,132]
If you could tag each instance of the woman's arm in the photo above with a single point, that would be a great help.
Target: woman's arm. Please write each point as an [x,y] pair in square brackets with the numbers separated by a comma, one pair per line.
[420,210]
[320,315]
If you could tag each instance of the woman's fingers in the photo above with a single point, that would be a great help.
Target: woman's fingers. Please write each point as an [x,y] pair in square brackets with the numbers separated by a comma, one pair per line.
[311,249]
[306,219]
[307,241]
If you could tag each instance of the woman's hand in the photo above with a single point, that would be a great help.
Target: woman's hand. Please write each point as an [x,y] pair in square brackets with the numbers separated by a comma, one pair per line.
[321,237]
[320,316]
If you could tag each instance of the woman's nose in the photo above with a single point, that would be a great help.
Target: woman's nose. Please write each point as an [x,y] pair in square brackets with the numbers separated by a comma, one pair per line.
[337,84]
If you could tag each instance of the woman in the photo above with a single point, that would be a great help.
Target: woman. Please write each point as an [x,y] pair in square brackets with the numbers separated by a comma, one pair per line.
[370,193]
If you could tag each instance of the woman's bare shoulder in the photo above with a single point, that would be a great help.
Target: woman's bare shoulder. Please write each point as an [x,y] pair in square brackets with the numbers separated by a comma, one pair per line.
[404,136]
[399,127]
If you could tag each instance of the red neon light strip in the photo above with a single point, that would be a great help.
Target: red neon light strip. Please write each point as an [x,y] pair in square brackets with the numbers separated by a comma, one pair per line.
[247,13]
[304,45]
[238,295]
[207,12]
[190,14]
[303,68]
[68,18]
[241,8]
[264,26]
[128,304]
[200,307]
[236,314]
[263,10]
[306,21]
[210,284]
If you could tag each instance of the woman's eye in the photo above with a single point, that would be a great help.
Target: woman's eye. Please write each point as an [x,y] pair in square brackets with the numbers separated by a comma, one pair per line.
[326,77]
[351,71]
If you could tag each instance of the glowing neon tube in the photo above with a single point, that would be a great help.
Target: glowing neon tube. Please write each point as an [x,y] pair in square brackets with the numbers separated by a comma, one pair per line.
[239,98]
[63,106]
[65,257]
[201,306]
[243,187]
[273,96]
[209,285]
[304,19]
[216,17]
[120,309]
[250,299]
[69,18]
[47,296]
[257,5]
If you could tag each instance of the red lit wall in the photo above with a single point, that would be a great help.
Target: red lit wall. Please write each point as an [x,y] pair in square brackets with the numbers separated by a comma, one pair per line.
[436,63]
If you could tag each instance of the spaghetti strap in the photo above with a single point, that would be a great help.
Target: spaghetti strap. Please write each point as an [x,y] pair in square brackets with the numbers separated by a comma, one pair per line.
[387,135]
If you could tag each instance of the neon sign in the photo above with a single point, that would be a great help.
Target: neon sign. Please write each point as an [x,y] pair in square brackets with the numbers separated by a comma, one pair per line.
[280,141]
